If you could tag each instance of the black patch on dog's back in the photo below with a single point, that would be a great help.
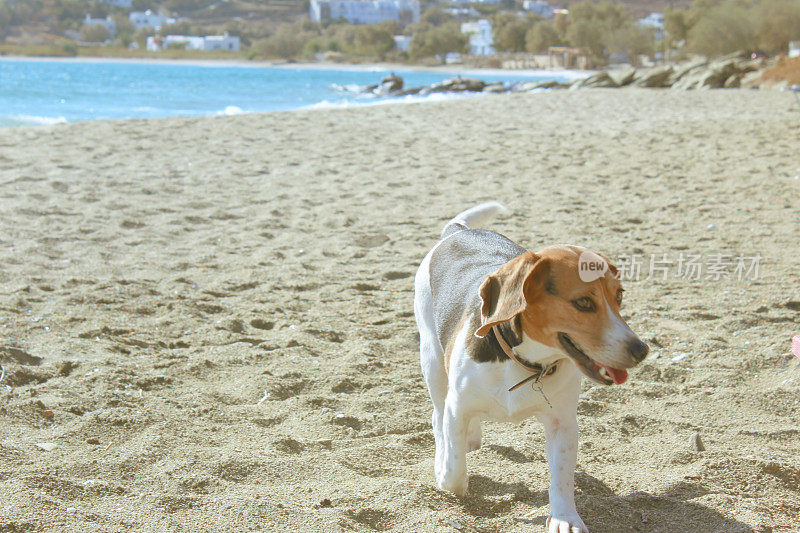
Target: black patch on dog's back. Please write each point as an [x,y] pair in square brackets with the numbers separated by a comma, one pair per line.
[488,350]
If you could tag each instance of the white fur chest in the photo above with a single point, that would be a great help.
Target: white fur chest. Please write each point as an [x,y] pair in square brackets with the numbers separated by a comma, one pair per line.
[483,387]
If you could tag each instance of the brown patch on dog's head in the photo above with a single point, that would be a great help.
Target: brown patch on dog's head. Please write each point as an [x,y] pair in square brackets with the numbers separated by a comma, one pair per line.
[503,293]
[559,309]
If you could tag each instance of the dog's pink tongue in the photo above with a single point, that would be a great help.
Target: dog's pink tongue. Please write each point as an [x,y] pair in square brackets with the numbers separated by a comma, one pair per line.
[619,376]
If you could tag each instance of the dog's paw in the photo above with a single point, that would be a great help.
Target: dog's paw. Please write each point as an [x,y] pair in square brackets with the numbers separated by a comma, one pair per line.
[565,524]
[455,484]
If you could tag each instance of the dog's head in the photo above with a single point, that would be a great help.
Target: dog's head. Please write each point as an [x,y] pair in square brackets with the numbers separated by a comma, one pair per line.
[569,298]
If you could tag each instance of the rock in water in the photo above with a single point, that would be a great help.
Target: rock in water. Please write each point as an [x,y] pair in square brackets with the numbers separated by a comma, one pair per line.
[496,87]
[601,79]
[458,85]
[656,77]
[392,82]
[623,76]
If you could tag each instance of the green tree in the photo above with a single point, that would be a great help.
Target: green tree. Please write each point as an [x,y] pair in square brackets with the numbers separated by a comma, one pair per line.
[429,41]
[69,13]
[722,30]
[98,9]
[140,36]
[779,23]
[368,40]
[6,16]
[375,39]
[125,30]
[435,16]
[676,24]
[588,36]
[541,37]
[561,25]
[508,32]
[631,41]
[186,6]
[288,42]
[95,34]
[602,29]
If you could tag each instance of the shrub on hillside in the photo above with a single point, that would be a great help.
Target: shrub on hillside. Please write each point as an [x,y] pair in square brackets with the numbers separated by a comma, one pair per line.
[288,42]
[95,34]
[779,24]
[509,31]
[722,30]
[541,37]
[430,41]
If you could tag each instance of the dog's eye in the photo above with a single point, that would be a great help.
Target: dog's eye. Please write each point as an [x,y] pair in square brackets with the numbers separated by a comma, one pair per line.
[619,296]
[584,304]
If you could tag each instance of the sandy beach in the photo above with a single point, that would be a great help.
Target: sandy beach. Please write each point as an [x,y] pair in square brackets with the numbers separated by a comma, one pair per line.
[206,324]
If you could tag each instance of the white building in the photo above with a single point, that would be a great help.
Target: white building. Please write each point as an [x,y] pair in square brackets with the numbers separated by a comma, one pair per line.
[655,21]
[794,49]
[227,42]
[126,4]
[107,22]
[480,37]
[148,19]
[402,42]
[365,11]
[465,2]
[540,7]
[208,43]
[462,12]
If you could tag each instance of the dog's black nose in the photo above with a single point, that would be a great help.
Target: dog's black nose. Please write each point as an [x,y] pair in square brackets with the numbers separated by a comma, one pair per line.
[638,350]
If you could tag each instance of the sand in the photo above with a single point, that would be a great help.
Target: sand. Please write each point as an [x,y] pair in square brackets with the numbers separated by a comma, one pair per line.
[206,324]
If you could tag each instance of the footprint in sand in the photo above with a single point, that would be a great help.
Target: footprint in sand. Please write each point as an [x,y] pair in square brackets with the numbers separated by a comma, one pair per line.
[371,241]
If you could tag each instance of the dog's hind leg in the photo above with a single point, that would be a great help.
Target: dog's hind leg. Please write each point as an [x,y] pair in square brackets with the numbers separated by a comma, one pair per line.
[453,470]
[431,356]
[436,380]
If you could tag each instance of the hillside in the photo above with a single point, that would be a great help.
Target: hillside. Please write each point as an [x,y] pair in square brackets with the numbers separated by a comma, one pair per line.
[46,21]
[249,10]
[641,8]
[35,21]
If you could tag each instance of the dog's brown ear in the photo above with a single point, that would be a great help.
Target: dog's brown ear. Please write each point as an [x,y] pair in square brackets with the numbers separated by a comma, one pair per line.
[611,268]
[503,292]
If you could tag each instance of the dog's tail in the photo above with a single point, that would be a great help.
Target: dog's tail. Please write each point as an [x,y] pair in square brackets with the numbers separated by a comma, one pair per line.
[473,217]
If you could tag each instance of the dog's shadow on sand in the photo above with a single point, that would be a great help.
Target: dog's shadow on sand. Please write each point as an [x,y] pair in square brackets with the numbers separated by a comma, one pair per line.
[602,510]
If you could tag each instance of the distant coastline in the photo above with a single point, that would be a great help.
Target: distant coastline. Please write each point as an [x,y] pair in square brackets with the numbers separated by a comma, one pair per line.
[310,65]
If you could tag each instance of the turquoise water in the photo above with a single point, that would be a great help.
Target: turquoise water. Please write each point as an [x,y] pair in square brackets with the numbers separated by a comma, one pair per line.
[55,91]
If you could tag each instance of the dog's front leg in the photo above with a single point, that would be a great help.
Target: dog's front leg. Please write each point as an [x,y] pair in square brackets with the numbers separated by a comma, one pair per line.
[452,475]
[561,432]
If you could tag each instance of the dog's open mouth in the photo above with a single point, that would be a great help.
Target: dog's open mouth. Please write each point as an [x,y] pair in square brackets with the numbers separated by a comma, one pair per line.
[600,373]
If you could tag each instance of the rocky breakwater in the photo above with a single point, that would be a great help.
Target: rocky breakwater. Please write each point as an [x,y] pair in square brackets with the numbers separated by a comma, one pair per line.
[393,86]
[731,71]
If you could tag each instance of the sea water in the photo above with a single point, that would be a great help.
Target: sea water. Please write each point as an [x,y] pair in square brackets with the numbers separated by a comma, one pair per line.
[55,91]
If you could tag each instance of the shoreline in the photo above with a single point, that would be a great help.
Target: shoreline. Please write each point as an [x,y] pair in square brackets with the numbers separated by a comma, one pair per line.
[319,106]
[321,65]
[437,98]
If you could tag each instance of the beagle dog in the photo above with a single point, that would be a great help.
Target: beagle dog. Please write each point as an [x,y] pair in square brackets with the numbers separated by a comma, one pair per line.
[505,334]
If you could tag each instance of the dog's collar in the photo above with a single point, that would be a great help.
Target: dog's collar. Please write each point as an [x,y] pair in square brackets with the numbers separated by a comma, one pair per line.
[539,371]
